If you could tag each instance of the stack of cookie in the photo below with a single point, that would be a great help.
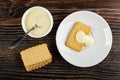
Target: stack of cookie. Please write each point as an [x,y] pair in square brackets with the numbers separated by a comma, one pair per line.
[36,57]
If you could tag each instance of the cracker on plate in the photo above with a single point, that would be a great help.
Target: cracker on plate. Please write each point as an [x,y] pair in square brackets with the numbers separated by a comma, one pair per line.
[71,40]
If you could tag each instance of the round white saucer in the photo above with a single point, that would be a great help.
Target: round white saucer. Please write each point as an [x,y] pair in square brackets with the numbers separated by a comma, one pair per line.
[89,56]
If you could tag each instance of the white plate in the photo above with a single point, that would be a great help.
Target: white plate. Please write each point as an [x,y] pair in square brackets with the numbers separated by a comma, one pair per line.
[89,56]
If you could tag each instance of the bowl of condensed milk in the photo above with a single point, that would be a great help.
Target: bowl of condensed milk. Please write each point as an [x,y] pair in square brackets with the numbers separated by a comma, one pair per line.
[39,16]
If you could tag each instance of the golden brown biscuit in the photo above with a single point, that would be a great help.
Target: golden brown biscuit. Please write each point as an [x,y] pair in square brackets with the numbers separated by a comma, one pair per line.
[36,57]
[71,40]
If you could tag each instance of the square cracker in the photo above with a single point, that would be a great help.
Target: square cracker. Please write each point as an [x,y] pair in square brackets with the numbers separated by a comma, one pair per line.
[36,57]
[71,40]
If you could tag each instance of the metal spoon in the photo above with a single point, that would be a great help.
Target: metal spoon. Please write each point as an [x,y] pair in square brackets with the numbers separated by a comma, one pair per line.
[19,40]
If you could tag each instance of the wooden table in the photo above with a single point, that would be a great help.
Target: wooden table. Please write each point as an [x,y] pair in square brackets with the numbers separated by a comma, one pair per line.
[11,66]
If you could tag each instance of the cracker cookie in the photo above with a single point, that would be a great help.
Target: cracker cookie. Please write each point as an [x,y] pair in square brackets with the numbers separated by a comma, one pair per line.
[71,40]
[36,57]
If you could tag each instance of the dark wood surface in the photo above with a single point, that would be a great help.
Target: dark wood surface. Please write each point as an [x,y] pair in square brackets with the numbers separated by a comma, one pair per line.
[11,66]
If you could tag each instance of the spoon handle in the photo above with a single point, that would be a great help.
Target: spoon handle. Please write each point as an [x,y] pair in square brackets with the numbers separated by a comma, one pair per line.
[19,40]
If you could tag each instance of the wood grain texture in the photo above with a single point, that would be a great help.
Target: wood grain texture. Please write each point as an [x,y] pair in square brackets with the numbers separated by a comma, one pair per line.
[11,66]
